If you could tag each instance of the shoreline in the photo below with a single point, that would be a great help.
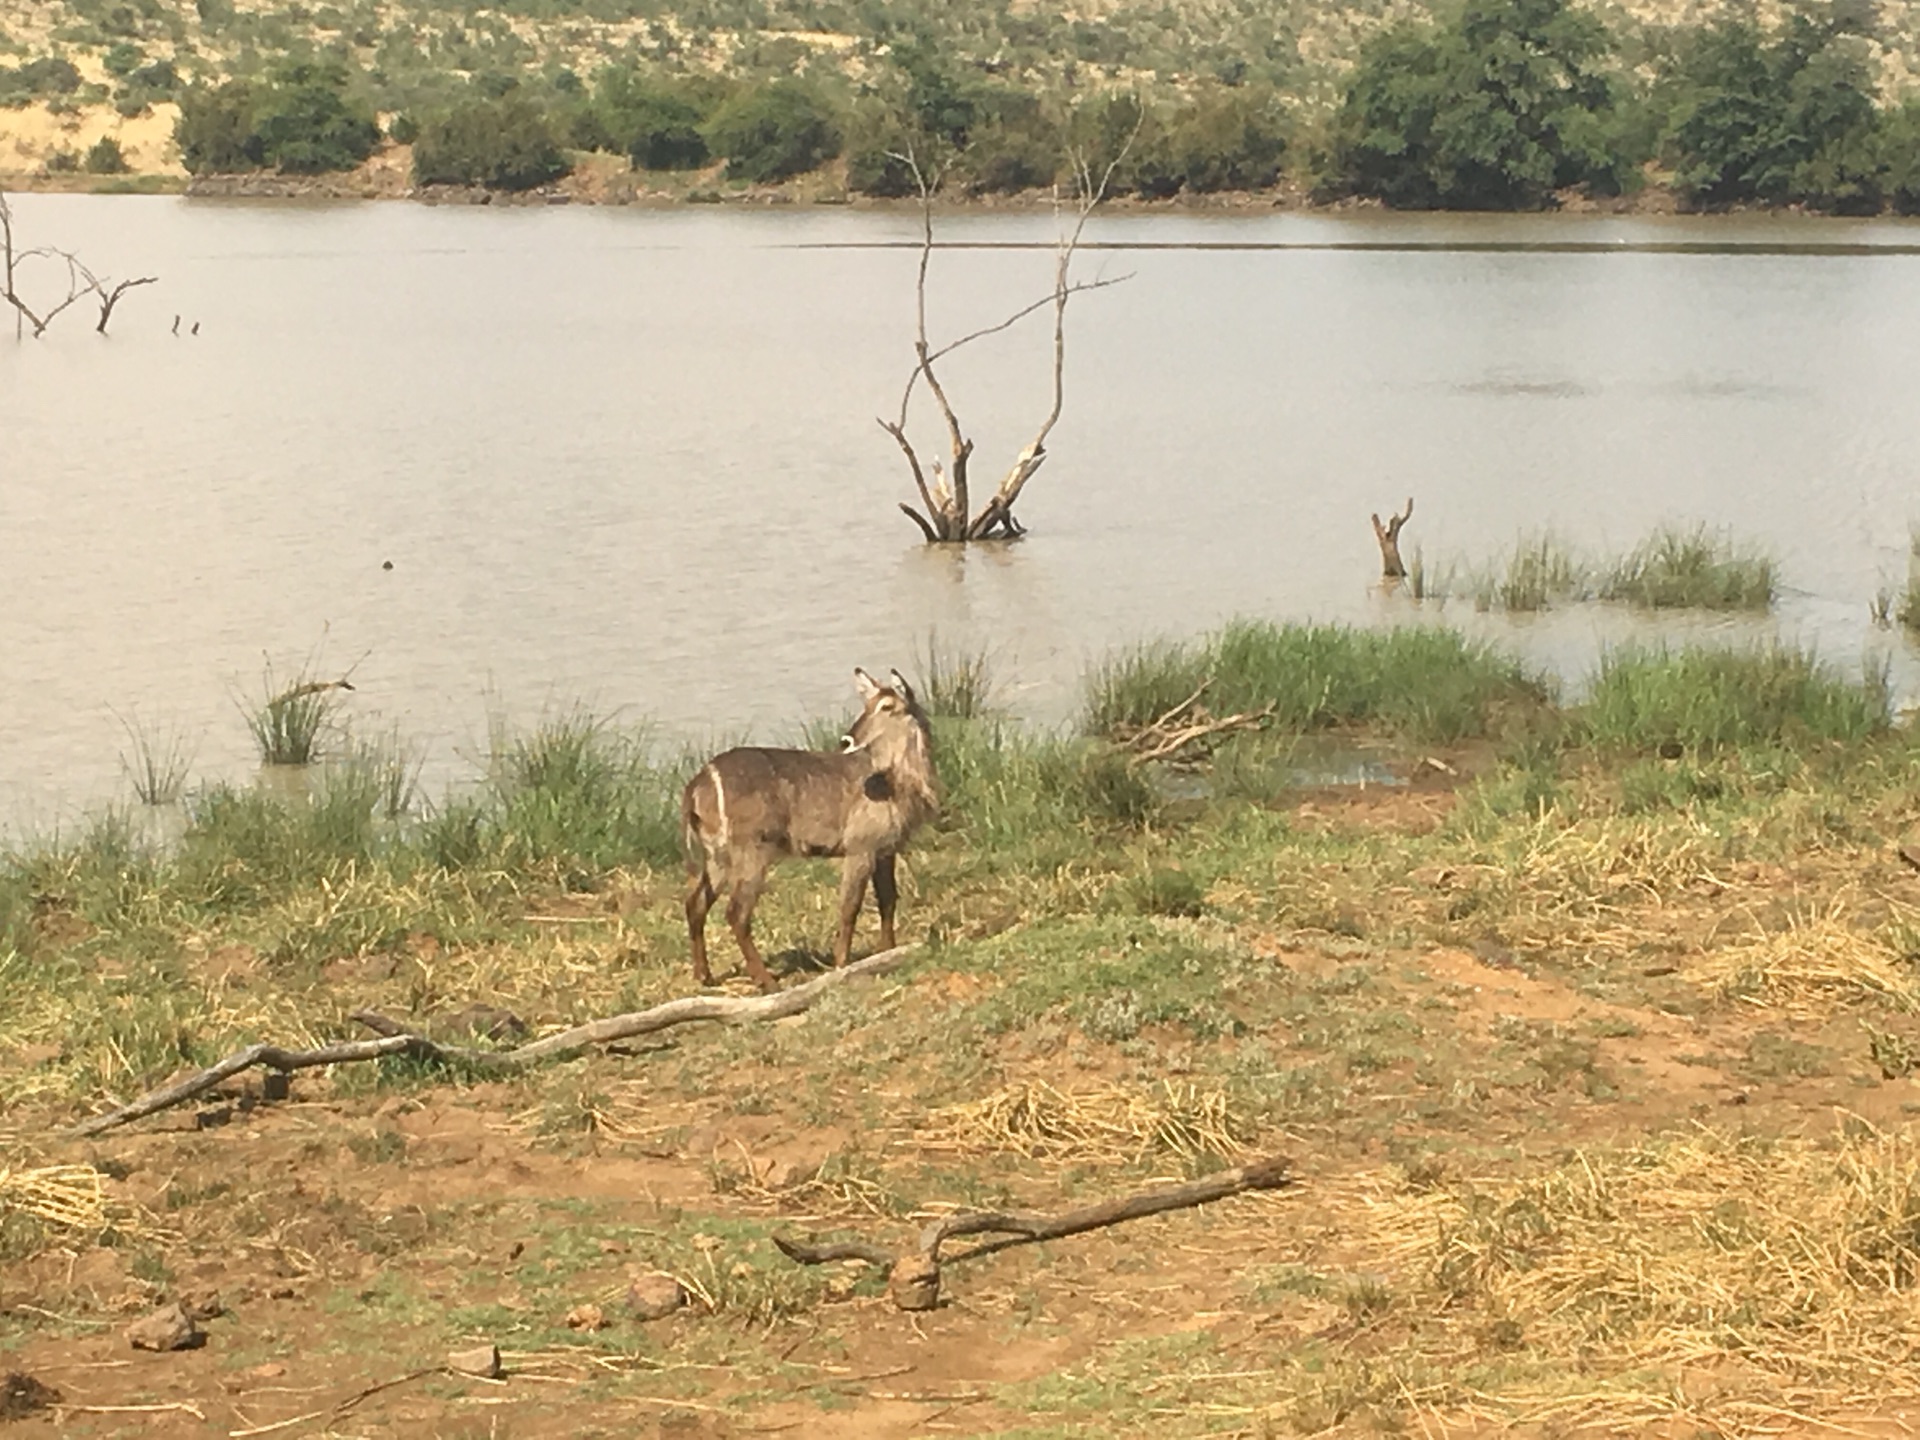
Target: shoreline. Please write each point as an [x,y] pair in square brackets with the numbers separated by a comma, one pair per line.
[600,185]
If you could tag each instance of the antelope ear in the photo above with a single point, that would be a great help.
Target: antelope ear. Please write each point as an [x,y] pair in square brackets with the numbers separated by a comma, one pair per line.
[900,684]
[868,686]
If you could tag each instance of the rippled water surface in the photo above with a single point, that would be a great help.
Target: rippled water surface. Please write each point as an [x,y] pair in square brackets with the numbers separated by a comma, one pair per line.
[628,458]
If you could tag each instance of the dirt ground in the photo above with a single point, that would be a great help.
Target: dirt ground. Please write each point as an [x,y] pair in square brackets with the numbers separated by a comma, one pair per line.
[342,1242]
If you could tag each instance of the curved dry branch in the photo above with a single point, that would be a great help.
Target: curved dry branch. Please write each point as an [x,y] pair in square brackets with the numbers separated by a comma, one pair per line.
[396,1039]
[726,1008]
[915,1274]
[274,1057]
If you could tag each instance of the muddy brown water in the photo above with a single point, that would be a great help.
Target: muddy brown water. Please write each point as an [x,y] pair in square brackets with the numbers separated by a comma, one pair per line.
[628,458]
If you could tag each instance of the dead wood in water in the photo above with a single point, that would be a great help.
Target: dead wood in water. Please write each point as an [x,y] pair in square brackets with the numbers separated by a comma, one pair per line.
[398,1039]
[914,1275]
[1391,566]
[945,514]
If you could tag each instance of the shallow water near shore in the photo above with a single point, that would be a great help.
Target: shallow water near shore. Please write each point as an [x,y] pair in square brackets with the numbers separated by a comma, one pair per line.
[628,458]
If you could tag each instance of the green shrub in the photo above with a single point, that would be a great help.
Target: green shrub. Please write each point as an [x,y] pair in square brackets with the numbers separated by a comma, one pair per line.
[1702,697]
[46,78]
[1220,139]
[1900,147]
[215,130]
[121,59]
[1495,109]
[105,157]
[503,144]
[655,123]
[302,120]
[773,131]
[307,123]
[1779,118]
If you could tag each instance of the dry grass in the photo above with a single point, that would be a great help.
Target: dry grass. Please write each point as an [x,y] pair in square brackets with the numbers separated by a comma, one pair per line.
[1818,960]
[1789,1268]
[69,1198]
[1108,1124]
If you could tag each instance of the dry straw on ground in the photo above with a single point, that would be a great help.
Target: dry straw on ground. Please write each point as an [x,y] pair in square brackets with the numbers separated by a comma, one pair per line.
[70,1198]
[1109,1123]
[1710,1272]
[1818,960]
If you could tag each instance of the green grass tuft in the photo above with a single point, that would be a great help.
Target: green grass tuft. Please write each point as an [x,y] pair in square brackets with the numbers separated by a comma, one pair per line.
[1415,682]
[1698,569]
[1539,573]
[956,683]
[158,764]
[1703,698]
[290,722]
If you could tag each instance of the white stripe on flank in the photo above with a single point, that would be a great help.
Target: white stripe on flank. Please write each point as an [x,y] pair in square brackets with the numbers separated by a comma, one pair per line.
[720,804]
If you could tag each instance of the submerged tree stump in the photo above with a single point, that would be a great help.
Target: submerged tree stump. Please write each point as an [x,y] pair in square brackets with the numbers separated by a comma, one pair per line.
[1391,565]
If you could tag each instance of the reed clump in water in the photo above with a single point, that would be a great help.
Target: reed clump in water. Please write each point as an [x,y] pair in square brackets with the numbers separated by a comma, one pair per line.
[1697,569]
[290,721]
[1539,572]
[159,762]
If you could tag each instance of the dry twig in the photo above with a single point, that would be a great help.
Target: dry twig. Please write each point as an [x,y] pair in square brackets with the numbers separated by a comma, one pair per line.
[1188,724]
[915,1275]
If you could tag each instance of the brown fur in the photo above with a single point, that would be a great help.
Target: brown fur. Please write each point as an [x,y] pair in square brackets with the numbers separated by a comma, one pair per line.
[751,807]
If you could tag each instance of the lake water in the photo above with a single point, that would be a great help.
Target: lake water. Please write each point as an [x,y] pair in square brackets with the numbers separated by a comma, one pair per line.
[627,458]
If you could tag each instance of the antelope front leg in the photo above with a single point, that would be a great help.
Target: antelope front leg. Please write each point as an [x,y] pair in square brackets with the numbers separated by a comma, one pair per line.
[853,890]
[885,893]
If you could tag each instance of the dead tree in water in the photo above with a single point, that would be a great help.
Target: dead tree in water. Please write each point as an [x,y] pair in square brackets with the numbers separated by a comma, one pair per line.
[945,514]
[1391,566]
[80,282]
[108,293]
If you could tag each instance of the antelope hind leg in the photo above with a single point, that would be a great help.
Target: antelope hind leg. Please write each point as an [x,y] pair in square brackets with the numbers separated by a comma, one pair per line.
[700,897]
[746,894]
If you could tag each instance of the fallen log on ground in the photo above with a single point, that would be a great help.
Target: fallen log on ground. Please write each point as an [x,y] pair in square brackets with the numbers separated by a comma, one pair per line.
[397,1039]
[914,1276]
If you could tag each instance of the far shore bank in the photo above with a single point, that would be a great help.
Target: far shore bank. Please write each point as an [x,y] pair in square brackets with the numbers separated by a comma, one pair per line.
[599,184]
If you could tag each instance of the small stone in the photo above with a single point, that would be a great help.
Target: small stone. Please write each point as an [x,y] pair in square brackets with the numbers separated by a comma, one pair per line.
[915,1282]
[202,1304]
[482,1360]
[655,1296]
[586,1317]
[168,1328]
[283,1292]
[267,1370]
[21,1395]
[785,1174]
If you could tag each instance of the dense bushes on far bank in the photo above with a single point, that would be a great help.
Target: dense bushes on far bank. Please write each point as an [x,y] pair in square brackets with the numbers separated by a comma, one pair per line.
[1484,104]
[304,119]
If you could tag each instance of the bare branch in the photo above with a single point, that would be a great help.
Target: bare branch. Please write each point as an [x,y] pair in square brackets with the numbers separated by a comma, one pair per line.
[920,520]
[80,281]
[396,1039]
[915,1278]
[913,461]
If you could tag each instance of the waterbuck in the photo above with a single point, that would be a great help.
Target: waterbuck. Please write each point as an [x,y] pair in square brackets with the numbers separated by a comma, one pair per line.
[750,807]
